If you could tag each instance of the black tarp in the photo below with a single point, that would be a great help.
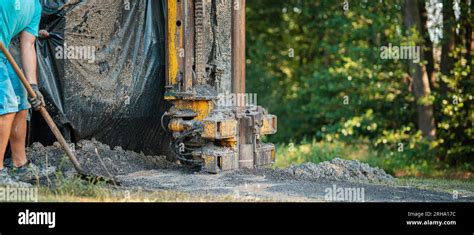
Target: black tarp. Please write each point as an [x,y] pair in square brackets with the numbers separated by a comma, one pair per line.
[132,122]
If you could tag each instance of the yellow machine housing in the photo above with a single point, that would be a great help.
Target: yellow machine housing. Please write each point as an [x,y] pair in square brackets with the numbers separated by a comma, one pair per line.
[206,134]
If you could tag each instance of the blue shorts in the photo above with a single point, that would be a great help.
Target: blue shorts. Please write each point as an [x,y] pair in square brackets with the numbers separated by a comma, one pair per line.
[13,95]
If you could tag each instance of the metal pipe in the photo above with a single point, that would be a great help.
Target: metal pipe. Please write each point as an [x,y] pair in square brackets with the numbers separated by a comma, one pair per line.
[188,44]
[199,34]
[238,47]
[246,154]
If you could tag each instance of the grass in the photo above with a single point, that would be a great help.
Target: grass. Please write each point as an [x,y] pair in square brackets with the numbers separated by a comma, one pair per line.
[457,188]
[439,185]
[395,163]
[73,189]
[112,195]
[67,189]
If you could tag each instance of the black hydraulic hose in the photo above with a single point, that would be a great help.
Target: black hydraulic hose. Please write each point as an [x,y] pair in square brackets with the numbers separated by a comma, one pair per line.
[175,145]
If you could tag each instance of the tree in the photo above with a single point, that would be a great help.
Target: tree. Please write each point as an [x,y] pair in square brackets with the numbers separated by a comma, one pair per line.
[448,43]
[419,73]
[429,46]
[318,66]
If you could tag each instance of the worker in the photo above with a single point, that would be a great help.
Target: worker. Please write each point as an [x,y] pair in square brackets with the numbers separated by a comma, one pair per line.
[18,18]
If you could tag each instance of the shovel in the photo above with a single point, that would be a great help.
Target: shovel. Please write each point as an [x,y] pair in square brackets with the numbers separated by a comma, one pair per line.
[51,124]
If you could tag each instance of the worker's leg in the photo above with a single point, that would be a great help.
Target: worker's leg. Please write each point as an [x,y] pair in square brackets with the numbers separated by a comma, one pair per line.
[22,169]
[5,129]
[6,121]
[13,101]
[8,108]
[18,139]
[18,133]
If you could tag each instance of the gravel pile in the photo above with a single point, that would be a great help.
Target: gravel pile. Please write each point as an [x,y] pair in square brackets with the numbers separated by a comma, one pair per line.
[99,159]
[93,155]
[336,169]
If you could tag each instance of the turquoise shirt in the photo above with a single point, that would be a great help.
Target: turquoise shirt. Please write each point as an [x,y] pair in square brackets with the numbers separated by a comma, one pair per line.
[17,16]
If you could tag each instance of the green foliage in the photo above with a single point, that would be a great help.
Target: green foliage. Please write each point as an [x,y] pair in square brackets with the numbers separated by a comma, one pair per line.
[317,152]
[440,185]
[319,69]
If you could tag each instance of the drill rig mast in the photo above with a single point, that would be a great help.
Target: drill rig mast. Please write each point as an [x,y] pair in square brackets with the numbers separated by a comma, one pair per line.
[207,132]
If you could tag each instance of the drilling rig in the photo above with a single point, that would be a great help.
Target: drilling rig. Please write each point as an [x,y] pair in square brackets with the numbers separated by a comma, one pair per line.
[213,124]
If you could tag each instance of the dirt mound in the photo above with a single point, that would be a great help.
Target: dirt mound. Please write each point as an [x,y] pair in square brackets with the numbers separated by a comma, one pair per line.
[336,169]
[97,158]
[93,155]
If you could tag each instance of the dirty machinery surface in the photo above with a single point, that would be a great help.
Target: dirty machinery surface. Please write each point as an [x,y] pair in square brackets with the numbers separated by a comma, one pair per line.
[215,125]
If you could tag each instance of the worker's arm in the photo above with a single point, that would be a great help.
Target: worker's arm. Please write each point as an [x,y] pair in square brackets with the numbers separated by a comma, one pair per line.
[28,56]
[28,60]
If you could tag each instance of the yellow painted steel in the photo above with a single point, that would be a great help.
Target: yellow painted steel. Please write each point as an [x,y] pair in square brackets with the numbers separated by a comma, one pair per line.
[219,129]
[269,126]
[229,143]
[201,107]
[177,125]
[223,154]
[172,62]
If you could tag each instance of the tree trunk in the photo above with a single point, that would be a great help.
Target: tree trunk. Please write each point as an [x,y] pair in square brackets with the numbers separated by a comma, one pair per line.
[448,43]
[419,74]
[428,51]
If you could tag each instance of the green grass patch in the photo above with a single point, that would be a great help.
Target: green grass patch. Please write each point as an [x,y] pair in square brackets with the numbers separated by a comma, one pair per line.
[122,195]
[73,189]
[462,187]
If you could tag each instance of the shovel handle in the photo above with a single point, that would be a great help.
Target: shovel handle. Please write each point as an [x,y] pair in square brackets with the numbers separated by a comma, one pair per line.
[42,110]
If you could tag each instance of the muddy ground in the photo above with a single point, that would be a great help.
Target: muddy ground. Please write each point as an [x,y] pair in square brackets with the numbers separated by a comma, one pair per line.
[297,183]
